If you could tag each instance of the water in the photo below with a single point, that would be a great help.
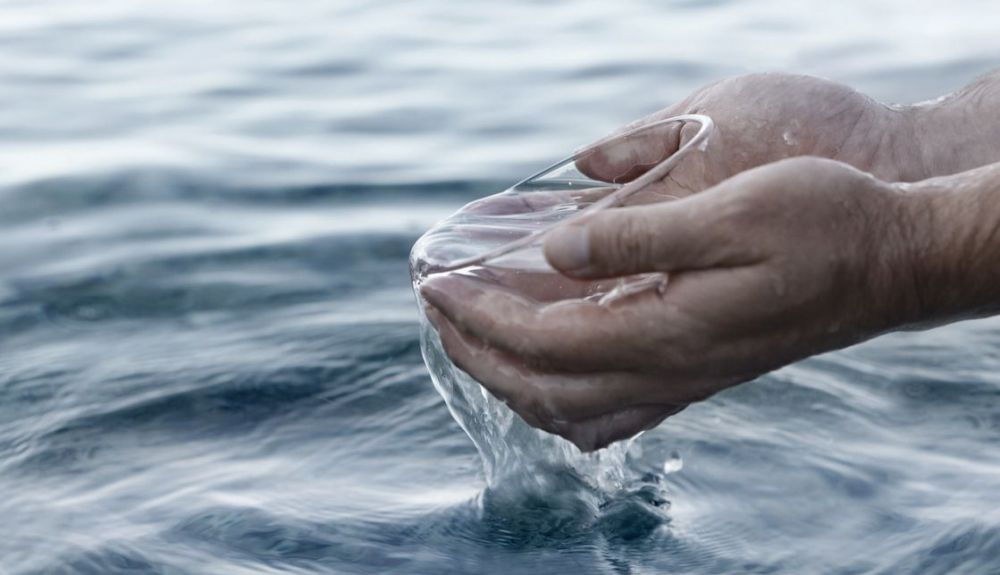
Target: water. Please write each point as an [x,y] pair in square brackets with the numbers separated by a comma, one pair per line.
[209,349]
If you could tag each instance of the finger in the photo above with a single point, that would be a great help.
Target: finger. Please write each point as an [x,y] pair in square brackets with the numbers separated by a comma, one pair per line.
[506,217]
[495,373]
[622,158]
[732,325]
[574,335]
[619,158]
[550,400]
[603,430]
[543,286]
[692,233]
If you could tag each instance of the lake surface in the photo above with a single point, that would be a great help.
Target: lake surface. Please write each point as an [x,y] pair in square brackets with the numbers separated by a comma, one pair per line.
[209,348]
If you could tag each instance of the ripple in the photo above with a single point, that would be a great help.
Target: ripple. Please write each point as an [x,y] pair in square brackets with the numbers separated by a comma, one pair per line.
[209,351]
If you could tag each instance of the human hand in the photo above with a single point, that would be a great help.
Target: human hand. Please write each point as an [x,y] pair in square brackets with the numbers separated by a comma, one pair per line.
[771,266]
[763,118]
[758,119]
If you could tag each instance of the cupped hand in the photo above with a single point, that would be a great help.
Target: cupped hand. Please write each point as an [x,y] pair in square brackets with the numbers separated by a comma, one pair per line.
[773,265]
[759,119]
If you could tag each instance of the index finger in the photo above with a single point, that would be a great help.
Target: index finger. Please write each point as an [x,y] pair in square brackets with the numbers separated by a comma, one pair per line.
[555,402]
[572,335]
[623,157]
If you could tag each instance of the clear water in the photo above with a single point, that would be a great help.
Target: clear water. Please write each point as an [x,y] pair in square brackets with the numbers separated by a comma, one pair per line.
[209,357]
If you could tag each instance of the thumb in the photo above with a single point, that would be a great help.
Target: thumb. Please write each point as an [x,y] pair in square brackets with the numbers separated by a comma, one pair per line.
[665,237]
[629,153]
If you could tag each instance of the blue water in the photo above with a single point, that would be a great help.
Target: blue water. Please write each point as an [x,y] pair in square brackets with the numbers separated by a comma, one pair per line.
[209,350]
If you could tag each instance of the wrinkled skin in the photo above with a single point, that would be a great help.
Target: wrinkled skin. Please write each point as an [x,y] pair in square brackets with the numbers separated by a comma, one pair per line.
[763,118]
[747,294]
[770,259]
[759,118]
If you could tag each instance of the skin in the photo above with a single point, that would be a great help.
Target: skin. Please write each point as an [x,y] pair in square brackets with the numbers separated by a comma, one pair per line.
[764,118]
[772,256]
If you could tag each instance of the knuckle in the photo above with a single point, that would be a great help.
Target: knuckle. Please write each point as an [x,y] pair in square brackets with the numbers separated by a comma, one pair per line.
[628,245]
[688,131]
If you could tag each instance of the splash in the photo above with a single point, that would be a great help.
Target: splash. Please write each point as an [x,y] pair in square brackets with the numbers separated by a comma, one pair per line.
[510,448]
[499,239]
[540,487]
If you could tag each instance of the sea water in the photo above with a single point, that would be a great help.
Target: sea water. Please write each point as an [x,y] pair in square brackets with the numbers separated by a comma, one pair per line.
[523,465]
[209,350]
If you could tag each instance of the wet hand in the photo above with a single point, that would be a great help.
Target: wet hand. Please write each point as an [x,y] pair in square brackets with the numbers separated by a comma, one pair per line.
[760,119]
[771,266]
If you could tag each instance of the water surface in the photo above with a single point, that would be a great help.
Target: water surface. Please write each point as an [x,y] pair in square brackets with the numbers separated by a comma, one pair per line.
[209,350]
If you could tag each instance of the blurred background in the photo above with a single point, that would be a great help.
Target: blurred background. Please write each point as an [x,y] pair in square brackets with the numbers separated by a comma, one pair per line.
[262,94]
[209,354]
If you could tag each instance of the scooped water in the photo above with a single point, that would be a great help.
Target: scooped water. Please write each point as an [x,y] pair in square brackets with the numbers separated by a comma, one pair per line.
[526,468]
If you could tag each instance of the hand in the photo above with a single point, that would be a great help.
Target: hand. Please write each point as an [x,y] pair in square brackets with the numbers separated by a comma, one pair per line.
[771,266]
[759,119]
[763,118]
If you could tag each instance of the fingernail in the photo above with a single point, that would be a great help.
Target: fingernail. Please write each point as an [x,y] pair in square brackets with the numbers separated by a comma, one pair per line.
[568,248]
[444,291]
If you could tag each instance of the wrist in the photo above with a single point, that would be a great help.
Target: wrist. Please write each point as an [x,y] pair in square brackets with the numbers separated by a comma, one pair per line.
[949,233]
[955,133]
[883,143]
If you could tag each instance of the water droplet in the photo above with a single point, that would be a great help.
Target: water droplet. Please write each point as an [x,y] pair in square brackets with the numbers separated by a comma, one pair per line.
[673,464]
